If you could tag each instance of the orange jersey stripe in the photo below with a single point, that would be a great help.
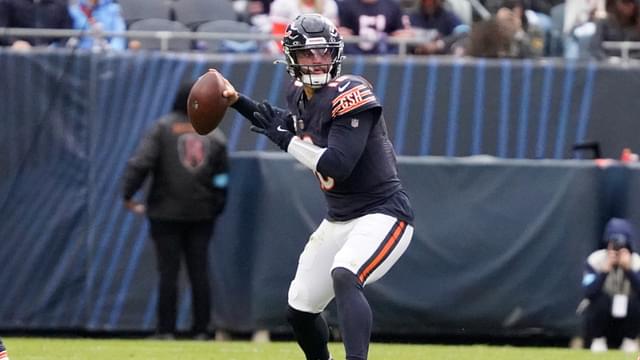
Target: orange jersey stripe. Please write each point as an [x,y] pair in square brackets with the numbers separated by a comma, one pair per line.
[348,92]
[342,111]
[384,252]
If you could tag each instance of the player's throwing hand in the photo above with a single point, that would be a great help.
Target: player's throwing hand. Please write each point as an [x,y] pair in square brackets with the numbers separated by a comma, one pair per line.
[230,92]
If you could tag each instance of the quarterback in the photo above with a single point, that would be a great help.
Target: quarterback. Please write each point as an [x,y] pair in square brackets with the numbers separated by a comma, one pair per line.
[333,124]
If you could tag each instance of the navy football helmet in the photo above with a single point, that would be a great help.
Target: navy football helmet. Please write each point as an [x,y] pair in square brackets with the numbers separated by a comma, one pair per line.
[315,33]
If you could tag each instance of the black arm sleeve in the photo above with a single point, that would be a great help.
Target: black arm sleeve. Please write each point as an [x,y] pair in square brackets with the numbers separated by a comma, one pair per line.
[247,106]
[346,144]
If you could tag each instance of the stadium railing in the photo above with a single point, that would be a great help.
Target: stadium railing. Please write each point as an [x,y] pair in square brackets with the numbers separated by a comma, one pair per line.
[166,36]
[625,47]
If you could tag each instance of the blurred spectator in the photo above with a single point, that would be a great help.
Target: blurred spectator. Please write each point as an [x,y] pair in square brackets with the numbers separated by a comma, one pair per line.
[95,16]
[579,12]
[611,283]
[441,28]
[187,193]
[492,5]
[254,12]
[373,21]
[511,16]
[255,7]
[504,35]
[622,23]
[579,26]
[285,11]
[487,39]
[538,19]
[39,14]
[540,6]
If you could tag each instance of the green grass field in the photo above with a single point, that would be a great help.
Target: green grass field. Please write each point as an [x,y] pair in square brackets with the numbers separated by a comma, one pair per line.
[94,349]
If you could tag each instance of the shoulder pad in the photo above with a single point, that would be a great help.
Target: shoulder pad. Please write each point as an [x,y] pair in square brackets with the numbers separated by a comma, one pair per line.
[353,94]
[353,79]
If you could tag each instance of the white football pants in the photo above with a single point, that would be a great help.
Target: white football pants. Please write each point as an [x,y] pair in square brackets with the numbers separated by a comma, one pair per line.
[368,246]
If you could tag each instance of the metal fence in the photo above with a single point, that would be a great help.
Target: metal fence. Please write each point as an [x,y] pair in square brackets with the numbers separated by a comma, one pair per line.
[166,37]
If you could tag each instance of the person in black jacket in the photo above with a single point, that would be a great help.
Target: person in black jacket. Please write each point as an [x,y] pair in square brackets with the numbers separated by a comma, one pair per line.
[611,283]
[189,176]
[37,14]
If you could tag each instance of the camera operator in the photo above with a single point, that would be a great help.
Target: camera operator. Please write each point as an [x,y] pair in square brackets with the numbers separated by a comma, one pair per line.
[612,287]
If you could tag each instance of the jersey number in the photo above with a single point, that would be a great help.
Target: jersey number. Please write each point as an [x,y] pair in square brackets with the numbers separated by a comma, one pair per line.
[326,182]
[371,28]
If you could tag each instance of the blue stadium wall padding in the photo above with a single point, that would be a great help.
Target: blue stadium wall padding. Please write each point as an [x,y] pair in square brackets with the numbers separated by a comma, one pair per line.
[498,250]
[498,244]
[433,106]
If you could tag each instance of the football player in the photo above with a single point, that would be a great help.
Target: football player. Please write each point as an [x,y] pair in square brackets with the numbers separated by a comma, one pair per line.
[333,125]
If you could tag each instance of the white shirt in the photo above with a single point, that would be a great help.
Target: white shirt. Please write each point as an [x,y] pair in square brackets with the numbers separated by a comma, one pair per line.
[285,11]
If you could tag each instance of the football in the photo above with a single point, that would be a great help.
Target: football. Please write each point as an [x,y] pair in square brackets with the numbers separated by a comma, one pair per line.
[206,106]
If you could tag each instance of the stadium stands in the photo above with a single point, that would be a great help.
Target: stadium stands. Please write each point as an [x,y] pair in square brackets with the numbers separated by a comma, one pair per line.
[133,10]
[557,32]
[226,26]
[195,12]
[161,25]
[462,8]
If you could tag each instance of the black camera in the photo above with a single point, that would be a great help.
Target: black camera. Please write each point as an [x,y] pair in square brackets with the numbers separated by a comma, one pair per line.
[618,241]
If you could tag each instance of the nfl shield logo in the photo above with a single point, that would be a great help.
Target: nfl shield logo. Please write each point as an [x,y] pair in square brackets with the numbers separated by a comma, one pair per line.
[355,123]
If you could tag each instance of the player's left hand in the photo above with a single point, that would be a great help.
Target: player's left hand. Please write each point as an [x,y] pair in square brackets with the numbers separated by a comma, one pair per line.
[273,125]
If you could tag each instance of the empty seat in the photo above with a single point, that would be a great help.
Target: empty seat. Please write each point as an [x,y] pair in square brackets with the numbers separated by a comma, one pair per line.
[161,25]
[133,10]
[226,45]
[195,12]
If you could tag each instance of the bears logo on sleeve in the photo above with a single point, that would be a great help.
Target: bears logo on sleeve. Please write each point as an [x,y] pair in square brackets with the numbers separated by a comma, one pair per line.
[353,95]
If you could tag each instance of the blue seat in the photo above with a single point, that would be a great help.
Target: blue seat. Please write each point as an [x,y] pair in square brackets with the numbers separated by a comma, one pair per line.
[195,12]
[133,10]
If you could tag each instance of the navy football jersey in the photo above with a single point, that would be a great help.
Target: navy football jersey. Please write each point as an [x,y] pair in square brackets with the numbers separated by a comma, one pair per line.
[372,21]
[373,185]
